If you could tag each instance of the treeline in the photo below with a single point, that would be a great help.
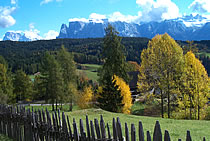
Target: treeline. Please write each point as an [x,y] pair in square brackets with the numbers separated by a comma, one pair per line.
[57,82]
[27,55]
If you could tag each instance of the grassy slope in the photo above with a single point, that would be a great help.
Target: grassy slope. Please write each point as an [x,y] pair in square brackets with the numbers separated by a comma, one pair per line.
[176,128]
[90,70]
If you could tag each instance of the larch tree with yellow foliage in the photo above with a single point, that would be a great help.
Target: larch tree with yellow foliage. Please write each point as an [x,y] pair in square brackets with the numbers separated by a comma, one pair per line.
[196,83]
[160,68]
[86,98]
[125,93]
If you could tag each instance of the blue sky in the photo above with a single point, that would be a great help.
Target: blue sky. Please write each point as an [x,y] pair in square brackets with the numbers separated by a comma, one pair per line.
[43,18]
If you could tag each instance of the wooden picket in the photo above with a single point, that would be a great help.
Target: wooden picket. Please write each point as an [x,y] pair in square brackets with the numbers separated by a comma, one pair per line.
[23,124]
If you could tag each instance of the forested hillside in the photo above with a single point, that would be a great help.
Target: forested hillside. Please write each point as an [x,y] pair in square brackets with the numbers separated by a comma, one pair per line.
[27,55]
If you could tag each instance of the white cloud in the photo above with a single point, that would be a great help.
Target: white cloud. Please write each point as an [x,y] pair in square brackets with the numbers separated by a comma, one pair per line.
[151,10]
[157,10]
[45,2]
[32,33]
[201,6]
[31,26]
[14,1]
[79,20]
[117,16]
[97,18]
[51,34]
[6,20]
[48,1]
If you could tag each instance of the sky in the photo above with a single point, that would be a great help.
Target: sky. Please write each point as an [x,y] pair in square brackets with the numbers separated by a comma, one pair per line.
[42,19]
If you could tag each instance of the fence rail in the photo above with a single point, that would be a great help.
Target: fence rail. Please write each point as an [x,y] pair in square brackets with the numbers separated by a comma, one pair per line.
[22,124]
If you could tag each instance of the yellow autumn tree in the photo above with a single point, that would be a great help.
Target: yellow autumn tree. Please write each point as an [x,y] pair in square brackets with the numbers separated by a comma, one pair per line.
[160,69]
[125,93]
[86,98]
[196,85]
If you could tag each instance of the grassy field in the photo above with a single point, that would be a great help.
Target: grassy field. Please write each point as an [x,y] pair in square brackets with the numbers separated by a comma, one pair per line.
[90,70]
[176,128]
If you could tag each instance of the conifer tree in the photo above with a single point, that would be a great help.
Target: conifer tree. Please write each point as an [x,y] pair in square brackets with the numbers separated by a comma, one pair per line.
[22,86]
[6,88]
[114,57]
[68,69]
[109,98]
[52,79]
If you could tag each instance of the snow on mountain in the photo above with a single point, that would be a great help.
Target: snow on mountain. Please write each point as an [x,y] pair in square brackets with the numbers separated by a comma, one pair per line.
[193,20]
[21,36]
[188,27]
[15,36]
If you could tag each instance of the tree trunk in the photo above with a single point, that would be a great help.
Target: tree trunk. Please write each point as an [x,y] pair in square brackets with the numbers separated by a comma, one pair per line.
[53,108]
[162,104]
[190,111]
[56,104]
[168,102]
[198,103]
[70,105]
[61,105]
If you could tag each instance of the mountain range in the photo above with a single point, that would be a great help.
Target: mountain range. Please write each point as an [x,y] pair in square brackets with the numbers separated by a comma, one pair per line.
[189,27]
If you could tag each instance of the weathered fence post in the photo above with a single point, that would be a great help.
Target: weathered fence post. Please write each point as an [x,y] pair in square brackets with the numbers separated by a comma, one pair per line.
[119,129]
[70,132]
[188,138]
[114,128]
[141,132]
[98,134]
[76,135]
[108,130]
[103,130]
[92,131]
[82,131]
[126,132]
[88,128]
[157,136]
[133,132]
[167,136]
[148,136]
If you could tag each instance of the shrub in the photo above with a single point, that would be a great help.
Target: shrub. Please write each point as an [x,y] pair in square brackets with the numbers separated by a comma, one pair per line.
[86,98]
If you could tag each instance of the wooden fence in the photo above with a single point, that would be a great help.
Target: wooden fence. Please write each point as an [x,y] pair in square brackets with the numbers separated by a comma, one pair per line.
[25,125]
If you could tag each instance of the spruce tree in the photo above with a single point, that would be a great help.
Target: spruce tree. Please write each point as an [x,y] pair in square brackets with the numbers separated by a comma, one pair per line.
[110,98]
[113,56]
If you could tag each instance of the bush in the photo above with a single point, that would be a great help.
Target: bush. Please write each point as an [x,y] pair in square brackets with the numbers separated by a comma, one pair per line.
[152,109]
[85,100]
[207,113]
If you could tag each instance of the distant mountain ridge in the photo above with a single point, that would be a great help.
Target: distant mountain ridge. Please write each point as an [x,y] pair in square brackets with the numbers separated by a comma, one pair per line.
[18,36]
[189,27]
[185,28]
[15,36]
